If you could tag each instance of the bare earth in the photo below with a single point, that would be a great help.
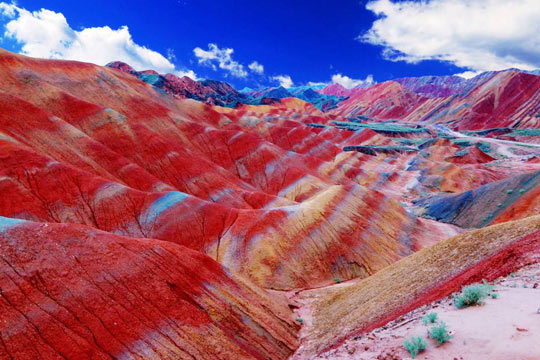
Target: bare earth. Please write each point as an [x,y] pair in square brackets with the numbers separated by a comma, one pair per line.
[506,328]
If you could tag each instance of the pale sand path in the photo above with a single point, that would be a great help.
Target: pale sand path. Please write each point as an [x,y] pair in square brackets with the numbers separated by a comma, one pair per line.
[506,328]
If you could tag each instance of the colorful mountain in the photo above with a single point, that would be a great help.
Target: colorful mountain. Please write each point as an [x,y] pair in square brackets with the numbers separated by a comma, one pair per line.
[209,91]
[323,102]
[153,216]
[502,99]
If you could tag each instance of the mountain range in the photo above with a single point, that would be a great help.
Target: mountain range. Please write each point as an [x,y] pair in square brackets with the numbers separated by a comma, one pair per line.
[150,216]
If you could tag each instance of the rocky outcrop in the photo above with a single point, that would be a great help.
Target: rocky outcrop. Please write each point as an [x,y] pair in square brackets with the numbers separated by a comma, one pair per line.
[73,292]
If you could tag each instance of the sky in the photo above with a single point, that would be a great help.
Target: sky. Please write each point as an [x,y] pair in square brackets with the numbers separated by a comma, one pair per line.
[282,42]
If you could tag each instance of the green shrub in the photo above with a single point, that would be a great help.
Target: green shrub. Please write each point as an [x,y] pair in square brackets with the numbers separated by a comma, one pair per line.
[414,345]
[472,295]
[429,318]
[439,333]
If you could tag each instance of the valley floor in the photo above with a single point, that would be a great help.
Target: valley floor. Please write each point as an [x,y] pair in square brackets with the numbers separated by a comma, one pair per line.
[506,328]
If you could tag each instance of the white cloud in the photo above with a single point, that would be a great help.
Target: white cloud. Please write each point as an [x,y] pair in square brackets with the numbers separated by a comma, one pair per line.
[256,67]
[317,83]
[47,34]
[222,57]
[478,35]
[349,83]
[189,73]
[171,56]
[468,74]
[283,80]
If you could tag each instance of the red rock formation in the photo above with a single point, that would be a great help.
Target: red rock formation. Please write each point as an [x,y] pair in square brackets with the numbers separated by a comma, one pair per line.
[507,98]
[116,155]
[72,292]
[170,215]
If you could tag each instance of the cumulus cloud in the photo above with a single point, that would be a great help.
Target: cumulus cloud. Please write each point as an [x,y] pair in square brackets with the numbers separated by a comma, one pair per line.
[283,80]
[171,56]
[317,83]
[349,83]
[468,74]
[189,73]
[47,34]
[477,35]
[256,68]
[220,57]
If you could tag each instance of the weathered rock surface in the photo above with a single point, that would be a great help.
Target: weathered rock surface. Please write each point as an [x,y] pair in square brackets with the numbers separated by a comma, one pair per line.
[73,292]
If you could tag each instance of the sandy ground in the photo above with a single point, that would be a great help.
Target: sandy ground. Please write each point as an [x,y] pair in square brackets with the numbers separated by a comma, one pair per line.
[506,328]
[502,147]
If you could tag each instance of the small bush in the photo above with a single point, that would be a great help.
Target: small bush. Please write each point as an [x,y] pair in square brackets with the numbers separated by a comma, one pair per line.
[414,345]
[429,318]
[472,295]
[439,333]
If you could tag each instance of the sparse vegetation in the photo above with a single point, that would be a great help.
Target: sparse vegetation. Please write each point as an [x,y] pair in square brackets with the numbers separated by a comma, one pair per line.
[429,318]
[440,333]
[473,295]
[414,345]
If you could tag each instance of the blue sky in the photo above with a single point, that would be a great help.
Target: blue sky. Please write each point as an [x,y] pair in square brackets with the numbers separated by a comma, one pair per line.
[311,40]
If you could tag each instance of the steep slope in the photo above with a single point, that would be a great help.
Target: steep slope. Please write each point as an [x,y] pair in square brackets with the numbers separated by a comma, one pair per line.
[509,199]
[73,292]
[435,86]
[502,99]
[388,100]
[498,99]
[426,276]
